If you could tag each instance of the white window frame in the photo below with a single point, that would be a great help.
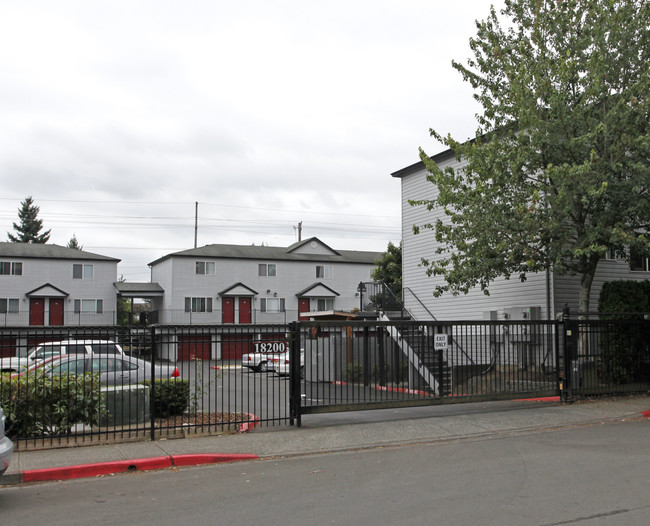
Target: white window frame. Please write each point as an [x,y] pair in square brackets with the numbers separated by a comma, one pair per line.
[205,268]
[88,306]
[269,270]
[14,268]
[324,271]
[198,304]
[83,271]
[324,304]
[9,306]
[272,305]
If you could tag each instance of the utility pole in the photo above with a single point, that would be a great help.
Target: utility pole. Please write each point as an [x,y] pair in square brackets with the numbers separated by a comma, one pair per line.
[300,232]
[196,222]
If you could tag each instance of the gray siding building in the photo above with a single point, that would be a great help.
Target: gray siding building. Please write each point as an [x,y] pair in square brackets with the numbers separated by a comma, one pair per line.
[50,285]
[542,295]
[236,284]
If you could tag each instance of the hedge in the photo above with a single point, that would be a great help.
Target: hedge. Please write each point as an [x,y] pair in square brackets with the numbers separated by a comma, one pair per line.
[38,405]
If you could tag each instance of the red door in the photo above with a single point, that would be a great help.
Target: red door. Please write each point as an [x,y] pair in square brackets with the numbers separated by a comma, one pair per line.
[244,309]
[56,311]
[303,306]
[234,345]
[194,347]
[228,310]
[37,311]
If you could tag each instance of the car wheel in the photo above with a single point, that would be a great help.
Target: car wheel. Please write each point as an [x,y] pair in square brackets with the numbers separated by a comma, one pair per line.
[263,367]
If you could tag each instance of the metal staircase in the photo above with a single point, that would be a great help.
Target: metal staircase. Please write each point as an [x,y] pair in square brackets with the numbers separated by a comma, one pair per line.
[416,341]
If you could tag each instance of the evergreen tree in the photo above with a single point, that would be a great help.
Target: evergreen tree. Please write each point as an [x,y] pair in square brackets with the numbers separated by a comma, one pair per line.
[74,243]
[30,226]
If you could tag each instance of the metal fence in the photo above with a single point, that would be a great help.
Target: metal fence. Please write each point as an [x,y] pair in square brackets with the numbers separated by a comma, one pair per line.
[134,383]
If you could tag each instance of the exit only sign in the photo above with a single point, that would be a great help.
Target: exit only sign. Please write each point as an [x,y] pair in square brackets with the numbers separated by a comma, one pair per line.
[441,341]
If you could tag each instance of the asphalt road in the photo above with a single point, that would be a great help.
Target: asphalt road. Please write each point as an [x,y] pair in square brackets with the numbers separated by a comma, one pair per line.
[592,475]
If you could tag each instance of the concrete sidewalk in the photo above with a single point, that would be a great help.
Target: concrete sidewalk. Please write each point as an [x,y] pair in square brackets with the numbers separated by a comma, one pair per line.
[325,433]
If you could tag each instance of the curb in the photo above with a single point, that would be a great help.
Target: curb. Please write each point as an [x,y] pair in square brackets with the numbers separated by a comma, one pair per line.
[123,466]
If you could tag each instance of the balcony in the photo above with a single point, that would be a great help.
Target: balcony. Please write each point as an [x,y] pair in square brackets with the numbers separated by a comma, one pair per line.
[70,318]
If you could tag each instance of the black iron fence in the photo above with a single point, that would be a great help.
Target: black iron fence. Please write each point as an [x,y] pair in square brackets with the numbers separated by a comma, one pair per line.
[78,385]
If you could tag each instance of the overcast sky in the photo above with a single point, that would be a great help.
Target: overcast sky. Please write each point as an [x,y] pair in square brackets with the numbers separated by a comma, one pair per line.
[117,116]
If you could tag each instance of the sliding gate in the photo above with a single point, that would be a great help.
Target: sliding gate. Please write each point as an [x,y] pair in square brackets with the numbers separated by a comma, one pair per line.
[349,365]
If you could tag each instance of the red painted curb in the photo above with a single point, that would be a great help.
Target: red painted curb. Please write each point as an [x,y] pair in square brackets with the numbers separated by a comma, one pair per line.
[123,466]
[402,390]
[196,460]
[645,414]
[95,470]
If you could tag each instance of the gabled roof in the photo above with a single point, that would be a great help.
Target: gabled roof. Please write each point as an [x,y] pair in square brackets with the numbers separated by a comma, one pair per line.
[295,252]
[317,289]
[314,243]
[47,251]
[238,289]
[47,291]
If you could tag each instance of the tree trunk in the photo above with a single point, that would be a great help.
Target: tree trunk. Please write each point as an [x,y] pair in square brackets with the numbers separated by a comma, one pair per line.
[586,280]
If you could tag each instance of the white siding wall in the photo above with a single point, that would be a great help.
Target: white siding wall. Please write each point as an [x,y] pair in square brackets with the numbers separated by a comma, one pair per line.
[38,272]
[567,288]
[177,276]
[503,293]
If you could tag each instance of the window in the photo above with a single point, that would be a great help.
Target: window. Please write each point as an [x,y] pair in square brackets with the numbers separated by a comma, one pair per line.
[639,264]
[42,353]
[69,367]
[198,304]
[639,261]
[206,267]
[9,305]
[267,269]
[11,268]
[325,304]
[104,348]
[324,271]
[88,306]
[110,365]
[272,305]
[85,271]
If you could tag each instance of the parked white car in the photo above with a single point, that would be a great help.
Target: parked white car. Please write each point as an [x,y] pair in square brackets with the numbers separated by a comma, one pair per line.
[6,445]
[47,350]
[266,355]
[282,366]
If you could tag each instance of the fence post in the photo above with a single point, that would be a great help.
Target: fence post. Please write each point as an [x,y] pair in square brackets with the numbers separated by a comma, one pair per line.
[152,395]
[294,374]
[569,353]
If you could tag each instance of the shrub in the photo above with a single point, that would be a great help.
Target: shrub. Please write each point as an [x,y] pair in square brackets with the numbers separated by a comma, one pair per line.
[36,404]
[171,397]
[625,354]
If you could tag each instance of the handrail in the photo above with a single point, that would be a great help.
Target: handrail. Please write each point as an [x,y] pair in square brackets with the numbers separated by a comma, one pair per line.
[420,302]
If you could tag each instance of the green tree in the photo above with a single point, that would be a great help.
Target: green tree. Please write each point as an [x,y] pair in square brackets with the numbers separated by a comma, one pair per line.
[30,225]
[389,269]
[74,243]
[559,170]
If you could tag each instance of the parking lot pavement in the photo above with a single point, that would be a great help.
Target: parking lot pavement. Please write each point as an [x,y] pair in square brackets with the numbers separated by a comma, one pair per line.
[327,432]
